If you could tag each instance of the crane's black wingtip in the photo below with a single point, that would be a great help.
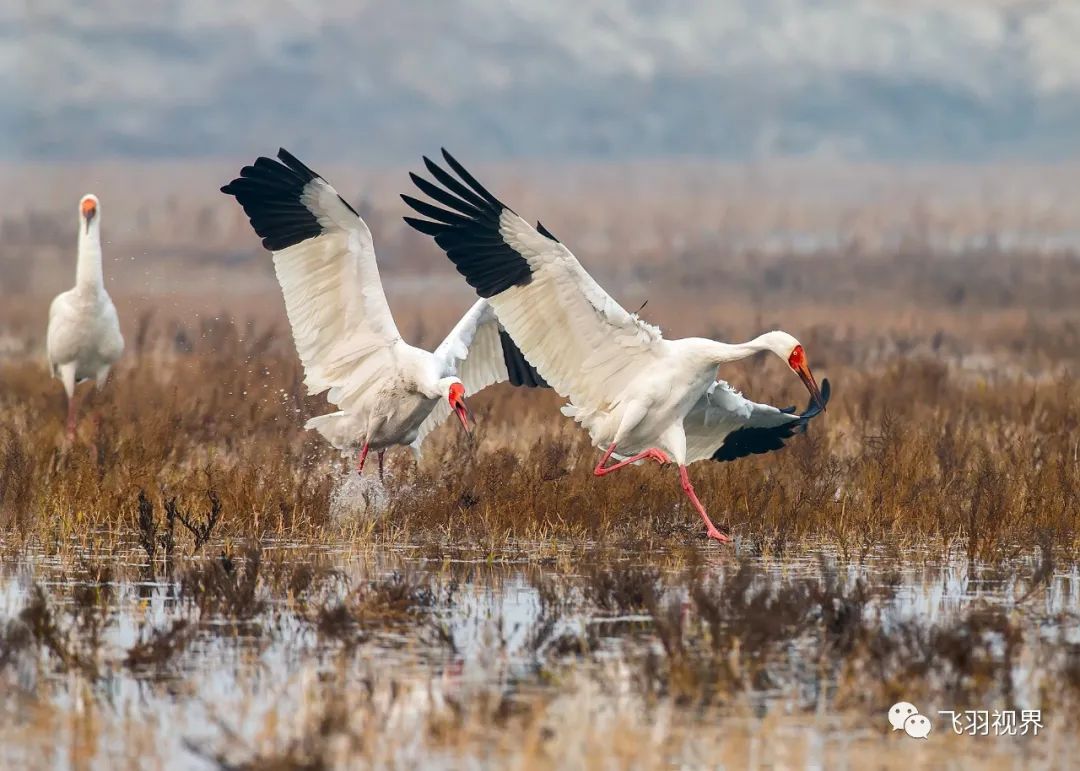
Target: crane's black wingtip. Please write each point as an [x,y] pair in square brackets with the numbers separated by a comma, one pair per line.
[814,408]
[270,193]
[287,158]
[519,371]
[757,441]
[465,225]
[426,227]
[545,232]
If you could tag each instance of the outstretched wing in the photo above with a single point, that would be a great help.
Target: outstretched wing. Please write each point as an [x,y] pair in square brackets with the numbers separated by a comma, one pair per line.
[480,352]
[325,264]
[586,346]
[723,425]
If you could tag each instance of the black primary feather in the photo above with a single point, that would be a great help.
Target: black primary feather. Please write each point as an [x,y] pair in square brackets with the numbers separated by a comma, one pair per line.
[467,229]
[520,371]
[755,441]
[269,191]
[545,232]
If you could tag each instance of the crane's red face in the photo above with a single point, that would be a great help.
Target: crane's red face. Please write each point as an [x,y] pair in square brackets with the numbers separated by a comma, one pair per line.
[456,398]
[797,361]
[88,207]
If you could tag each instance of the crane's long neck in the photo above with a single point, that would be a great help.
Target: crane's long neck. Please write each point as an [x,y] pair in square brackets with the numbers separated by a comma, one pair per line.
[721,353]
[88,274]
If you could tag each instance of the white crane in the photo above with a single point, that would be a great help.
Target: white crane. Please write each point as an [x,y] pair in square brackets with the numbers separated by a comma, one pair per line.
[84,339]
[390,393]
[639,396]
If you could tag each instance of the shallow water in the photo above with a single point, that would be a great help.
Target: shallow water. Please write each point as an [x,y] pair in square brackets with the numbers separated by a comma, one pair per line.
[250,679]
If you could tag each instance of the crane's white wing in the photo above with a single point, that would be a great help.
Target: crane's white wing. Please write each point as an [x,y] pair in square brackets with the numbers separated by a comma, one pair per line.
[61,340]
[325,264]
[723,425]
[586,346]
[479,352]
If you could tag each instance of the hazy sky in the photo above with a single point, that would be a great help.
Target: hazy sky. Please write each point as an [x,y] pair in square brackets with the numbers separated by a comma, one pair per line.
[881,79]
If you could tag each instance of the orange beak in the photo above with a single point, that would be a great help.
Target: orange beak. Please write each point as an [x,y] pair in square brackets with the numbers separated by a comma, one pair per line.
[807,377]
[456,398]
[463,413]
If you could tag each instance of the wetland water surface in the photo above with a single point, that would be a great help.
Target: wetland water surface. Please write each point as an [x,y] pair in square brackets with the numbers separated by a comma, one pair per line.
[289,656]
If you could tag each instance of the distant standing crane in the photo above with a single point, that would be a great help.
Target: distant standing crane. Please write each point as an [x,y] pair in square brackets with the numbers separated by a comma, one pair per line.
[84,339]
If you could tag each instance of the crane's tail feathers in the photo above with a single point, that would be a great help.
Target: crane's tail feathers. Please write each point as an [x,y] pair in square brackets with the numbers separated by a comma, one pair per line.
[322,423]
[339,429]
[597,422]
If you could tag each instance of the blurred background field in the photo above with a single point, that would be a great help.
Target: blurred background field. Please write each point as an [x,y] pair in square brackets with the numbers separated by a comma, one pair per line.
[972,257]
[197,582]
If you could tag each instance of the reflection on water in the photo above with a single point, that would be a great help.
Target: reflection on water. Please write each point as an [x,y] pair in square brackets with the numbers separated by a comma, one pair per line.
[420,637]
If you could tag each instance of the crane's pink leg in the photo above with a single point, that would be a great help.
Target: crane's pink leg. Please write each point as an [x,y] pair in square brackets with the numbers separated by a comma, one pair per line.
[73,415]
[381,454]
[689,490]
[652,452]
[360,461]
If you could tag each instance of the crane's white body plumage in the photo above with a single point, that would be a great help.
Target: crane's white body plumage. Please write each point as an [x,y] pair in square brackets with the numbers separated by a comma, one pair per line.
[627,385]
[83,341]
[389,392]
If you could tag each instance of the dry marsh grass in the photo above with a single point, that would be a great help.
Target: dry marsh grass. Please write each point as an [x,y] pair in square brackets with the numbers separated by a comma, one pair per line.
[209,445]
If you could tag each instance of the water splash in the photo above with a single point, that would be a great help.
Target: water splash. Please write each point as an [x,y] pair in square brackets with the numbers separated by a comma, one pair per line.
[359,498]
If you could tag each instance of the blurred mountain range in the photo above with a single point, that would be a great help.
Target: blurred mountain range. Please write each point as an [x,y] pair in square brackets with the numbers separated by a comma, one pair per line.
[382,81]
